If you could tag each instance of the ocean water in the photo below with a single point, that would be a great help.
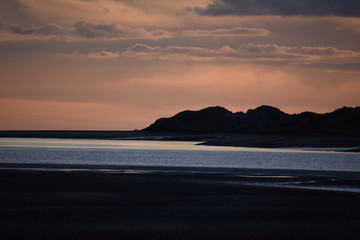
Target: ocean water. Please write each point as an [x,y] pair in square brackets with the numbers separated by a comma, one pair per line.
[138,153]
[170,153]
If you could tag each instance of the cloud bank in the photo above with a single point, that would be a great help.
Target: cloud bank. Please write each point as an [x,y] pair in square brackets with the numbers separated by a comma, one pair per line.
[322,57]
[228,32]
[344,8]
[80,31]
[88,31]
[325,58]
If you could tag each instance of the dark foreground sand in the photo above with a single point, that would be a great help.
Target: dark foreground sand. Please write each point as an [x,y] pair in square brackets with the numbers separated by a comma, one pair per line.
[89,205]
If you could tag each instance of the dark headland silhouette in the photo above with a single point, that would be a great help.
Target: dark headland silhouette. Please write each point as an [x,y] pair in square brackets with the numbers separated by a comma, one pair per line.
[264,119]
[265,126]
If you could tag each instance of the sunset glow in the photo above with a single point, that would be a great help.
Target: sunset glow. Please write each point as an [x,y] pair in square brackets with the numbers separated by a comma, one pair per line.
[121,64]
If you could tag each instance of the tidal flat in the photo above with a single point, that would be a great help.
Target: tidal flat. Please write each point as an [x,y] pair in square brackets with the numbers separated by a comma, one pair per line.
[39,204]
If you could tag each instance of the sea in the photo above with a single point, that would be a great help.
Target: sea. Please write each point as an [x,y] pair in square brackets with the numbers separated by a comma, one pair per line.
[323,169]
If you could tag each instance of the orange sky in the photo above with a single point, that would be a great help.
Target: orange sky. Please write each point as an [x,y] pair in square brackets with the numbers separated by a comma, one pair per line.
[120,65]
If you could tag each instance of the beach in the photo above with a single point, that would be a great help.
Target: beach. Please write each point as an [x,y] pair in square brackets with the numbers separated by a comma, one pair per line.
[73,204]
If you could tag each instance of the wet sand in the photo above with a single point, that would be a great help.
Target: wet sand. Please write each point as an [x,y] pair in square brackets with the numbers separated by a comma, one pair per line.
[92,205]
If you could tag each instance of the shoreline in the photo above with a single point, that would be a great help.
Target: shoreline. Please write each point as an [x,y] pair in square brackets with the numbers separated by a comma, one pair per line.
[79,205]
[316,180]
[324,140]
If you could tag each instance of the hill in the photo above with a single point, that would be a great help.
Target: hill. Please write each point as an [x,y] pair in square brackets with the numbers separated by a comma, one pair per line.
[264,119]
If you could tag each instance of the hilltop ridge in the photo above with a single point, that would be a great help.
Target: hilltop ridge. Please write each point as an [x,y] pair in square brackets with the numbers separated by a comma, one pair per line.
[263,119]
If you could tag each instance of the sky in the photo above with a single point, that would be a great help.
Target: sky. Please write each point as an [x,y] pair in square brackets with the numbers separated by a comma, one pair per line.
[122,64]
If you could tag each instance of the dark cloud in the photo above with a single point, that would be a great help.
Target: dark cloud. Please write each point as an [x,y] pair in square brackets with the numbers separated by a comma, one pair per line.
[345,8]
[111,31]
[80,31]
[50,29]
[88,30]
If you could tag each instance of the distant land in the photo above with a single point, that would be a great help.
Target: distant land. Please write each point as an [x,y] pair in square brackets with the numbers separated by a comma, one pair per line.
[264,119]
[265,126]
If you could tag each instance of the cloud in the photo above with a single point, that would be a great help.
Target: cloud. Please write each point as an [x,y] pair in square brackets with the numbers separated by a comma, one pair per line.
[322,57]
[88,31]
[111,31]
[172,52]
[326,58]
[139,13]
[307,53]
[270,51]
[344,8]
[45,32]
[80,31]
[50,29]
[227,32]
[104,55]
[93,55]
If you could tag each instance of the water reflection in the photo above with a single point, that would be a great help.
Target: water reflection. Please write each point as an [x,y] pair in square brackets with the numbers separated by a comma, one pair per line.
[141,145]
[169,153]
